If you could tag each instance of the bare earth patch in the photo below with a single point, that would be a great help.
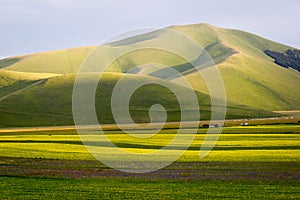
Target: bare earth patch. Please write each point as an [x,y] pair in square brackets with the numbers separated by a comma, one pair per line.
[223,171]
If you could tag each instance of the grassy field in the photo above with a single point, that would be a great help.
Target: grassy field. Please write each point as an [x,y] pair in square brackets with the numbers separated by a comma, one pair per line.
[255,144]
[255,162]
[36,188]
[251,162]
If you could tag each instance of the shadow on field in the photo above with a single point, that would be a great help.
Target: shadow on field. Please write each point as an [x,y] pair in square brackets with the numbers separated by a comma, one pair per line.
[224,171]
[146,146]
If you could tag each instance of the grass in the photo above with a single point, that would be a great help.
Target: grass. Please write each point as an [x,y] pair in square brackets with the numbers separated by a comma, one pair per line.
[246,70]
[245,149]
[259,162]
[255,144]
[58,62]
[12,81]
[50,102]
[13,87]
[29,188]
[55,164]
[248,73]
[8,76]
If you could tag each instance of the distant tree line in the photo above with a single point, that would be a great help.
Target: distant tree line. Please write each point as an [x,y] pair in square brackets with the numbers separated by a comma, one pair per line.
[290,58]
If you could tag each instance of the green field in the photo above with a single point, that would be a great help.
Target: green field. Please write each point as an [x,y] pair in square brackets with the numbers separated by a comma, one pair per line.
[255,144]
[36,188]
[255,162]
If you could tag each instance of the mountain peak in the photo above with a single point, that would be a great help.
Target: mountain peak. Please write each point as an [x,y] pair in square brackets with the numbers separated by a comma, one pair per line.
[195,25]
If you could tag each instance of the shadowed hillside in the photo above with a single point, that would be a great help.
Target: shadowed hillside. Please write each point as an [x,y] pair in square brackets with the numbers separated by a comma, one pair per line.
[50,102]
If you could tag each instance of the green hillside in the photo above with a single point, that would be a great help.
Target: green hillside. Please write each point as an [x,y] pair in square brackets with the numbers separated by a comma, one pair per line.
[247,71]
[12,81]
[271,86]
[59,62]
[250,76]
[50,102]
[36,89]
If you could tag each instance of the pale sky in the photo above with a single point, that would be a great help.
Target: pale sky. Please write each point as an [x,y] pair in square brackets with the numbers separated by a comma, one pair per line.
[28,26]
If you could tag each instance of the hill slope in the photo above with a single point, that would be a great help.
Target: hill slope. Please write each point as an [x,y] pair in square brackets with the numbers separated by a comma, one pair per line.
[251,78]
[58,62]
[247,71]
[50,102]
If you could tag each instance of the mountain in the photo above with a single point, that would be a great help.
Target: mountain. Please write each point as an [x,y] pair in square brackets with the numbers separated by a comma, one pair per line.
[36,89]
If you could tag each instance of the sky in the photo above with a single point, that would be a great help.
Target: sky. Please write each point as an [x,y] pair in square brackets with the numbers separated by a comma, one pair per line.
[29,26]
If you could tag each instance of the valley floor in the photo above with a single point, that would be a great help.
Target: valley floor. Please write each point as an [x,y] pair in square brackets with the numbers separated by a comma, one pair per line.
[254,162]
